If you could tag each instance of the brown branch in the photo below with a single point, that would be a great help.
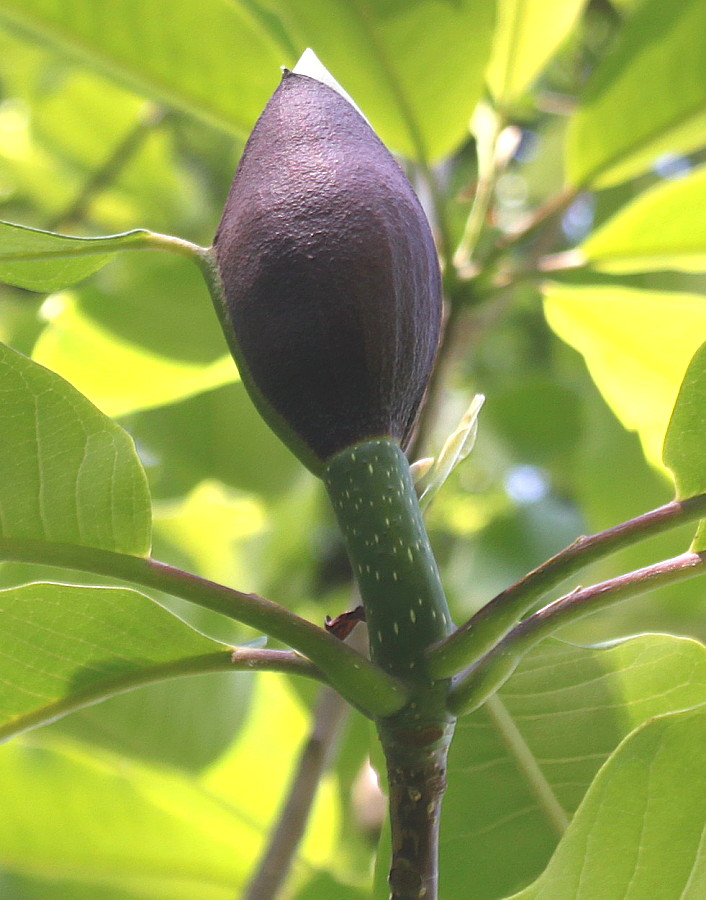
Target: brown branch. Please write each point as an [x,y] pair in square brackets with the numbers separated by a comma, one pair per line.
[315,756]
[486,676]
[476,636]
[361,682]
[416,774]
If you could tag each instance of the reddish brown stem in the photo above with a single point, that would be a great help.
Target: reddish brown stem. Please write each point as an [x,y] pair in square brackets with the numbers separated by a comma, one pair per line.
[476,636]
[416,771]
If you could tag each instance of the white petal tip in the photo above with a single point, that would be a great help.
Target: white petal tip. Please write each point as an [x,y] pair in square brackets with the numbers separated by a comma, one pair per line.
[310,65]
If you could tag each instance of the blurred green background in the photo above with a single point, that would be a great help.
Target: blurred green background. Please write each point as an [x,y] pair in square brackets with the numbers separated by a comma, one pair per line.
[117,115]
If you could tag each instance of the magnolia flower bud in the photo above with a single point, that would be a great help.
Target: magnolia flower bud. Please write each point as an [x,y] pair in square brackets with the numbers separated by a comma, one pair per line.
[332,300]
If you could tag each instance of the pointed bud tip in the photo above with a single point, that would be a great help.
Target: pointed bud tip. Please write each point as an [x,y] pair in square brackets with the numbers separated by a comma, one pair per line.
[311,66]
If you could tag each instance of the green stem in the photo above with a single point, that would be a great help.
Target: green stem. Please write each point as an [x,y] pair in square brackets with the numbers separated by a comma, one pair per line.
[487,177]
[377,509]
[262,659]
[105,245]
[358,680]
[492,671]
[155,240]
[476,636]
[374,499]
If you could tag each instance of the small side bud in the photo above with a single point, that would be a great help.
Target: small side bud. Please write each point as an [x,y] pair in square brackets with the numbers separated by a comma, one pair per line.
[456,448]
[420,468]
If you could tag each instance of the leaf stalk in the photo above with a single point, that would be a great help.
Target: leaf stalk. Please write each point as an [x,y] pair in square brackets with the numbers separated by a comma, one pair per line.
[486,676]
[361,682]
[477,636]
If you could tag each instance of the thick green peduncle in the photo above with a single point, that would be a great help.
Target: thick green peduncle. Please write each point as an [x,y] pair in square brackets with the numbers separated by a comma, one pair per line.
[372,493]
[374,499]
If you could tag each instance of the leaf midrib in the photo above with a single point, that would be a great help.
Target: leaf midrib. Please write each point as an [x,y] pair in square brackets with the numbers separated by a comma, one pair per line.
[387,69]
[124,72]
[527,766]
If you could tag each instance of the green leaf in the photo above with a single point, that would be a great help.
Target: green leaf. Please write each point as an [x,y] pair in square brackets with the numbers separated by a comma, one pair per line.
[203,438]
[257,770]
[44,261]
[69,474]
[663,228]
[73,126]
[52,145]
[526,37]
[183,722]
[643,99]
[402,62]
[77,814]
[213,60]
[88,355]
[520,766]
[215,528]
[37,887]
[324,886]
[66,646]
[685,442]
[153,301]
[69,812]
[639,832]
[637,345]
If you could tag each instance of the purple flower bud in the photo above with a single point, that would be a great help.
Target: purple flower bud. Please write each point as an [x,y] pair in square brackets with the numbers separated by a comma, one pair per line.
[332,285]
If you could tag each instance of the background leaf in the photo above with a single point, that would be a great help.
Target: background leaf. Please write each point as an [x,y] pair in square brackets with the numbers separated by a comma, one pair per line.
[527,34]
[43,261]
[643,100]
[79,149]
[118,822]
[79,349]
[385,54]
[65,646]
[256,770]
[120,825]
[216,61]
[552,460]
[221,437]
[75,475]
[519,767]
[639,832]
[324,886]
[183,722]
[631,242]
[23,887]
[636,343]
[685,441]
